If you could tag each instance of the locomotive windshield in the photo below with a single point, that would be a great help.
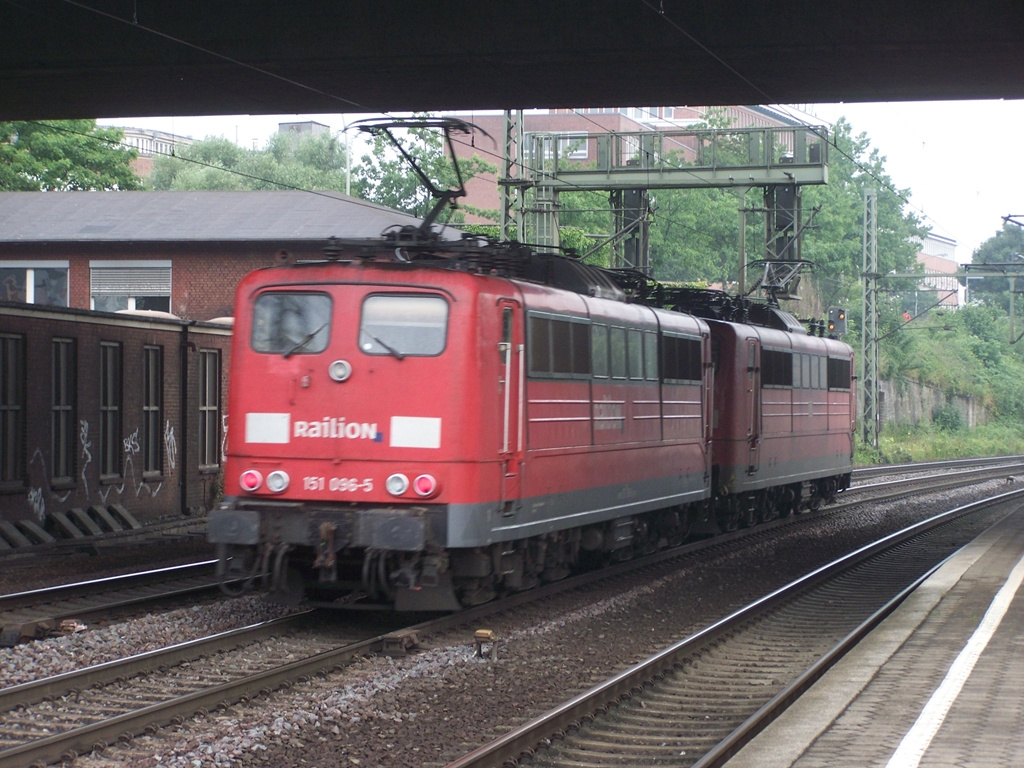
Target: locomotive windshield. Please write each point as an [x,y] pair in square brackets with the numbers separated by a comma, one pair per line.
[403,325]
[290,323]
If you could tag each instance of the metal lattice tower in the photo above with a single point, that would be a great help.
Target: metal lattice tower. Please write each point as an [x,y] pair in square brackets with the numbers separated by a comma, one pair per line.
[513,181]
[869,332]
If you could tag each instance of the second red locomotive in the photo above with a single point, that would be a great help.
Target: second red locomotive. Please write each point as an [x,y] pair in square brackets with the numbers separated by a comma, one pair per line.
[426,424]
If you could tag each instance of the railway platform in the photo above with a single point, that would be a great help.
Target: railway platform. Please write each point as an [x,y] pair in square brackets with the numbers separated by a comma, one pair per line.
[939,683]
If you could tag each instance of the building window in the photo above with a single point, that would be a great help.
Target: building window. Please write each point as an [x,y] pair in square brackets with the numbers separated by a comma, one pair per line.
[152,408]
[35,282]
[130,284]
[209,408]
[62,429]
[110,408]
[12,408]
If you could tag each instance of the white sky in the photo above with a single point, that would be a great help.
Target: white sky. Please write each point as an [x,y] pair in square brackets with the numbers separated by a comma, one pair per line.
[959,159]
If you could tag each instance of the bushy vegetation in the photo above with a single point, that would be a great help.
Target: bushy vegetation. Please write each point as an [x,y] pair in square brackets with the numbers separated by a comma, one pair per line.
[899,444]
[966,352]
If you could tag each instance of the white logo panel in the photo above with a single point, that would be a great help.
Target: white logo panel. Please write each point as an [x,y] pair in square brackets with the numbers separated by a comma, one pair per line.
[415,432]
[267,427]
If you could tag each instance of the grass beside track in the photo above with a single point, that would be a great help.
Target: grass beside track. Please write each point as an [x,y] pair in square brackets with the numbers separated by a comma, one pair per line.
[900,444]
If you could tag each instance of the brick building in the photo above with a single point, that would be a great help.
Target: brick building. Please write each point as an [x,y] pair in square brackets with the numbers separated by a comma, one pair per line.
[177,252]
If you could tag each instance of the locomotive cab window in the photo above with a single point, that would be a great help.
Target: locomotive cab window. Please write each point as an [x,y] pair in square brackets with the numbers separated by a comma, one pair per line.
[403,325]
[290,323]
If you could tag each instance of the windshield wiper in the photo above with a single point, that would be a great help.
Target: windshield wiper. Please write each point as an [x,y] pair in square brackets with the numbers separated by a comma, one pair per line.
[398,355]
[305,341]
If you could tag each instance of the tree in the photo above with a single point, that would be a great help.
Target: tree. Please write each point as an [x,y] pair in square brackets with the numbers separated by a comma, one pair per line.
[835,244]
[695,232]
[64,155]
[287,162]
[1005,247]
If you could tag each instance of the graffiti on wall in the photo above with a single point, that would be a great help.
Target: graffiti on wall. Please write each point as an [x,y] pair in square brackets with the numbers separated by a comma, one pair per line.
[170,446]
[83,436]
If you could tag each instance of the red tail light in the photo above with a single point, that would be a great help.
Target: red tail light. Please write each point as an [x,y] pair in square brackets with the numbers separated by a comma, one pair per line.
[425,485]
[251,480]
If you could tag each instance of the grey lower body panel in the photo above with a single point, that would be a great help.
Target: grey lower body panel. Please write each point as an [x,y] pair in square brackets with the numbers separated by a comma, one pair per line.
[452,526]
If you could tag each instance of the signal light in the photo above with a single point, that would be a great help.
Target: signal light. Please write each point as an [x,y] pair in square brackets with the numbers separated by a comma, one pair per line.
[836,321]
[251,480]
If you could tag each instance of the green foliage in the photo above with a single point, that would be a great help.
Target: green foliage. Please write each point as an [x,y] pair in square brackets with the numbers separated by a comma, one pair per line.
[287,162]
[835,244]
[64,155]
[695,234]
[899,444]
[948,418]
[1006,246]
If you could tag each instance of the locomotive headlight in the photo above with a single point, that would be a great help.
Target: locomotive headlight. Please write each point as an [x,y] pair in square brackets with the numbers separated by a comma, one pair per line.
[339,370]
[250,480]
[277,481]
[425,485]
[397,484]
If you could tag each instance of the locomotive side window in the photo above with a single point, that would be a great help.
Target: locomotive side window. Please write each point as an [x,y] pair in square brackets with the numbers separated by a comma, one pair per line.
[559,347]
[636,354]
[650,355]
[581,363]
[289,323]
[838,373]
[776,368]
[680,359]
[599,350]
[617,352]
[540,344]
[403,325]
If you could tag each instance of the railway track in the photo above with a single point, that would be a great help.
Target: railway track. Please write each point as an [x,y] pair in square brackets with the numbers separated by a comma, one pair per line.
[698,701]
[939,477]
[33,613]
[944,465]
[58,718]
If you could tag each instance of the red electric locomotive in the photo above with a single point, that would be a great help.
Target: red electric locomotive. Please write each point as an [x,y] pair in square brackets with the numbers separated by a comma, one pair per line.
[425,423]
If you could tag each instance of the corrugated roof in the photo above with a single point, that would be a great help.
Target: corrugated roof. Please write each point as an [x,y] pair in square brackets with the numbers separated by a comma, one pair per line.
[27,217]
